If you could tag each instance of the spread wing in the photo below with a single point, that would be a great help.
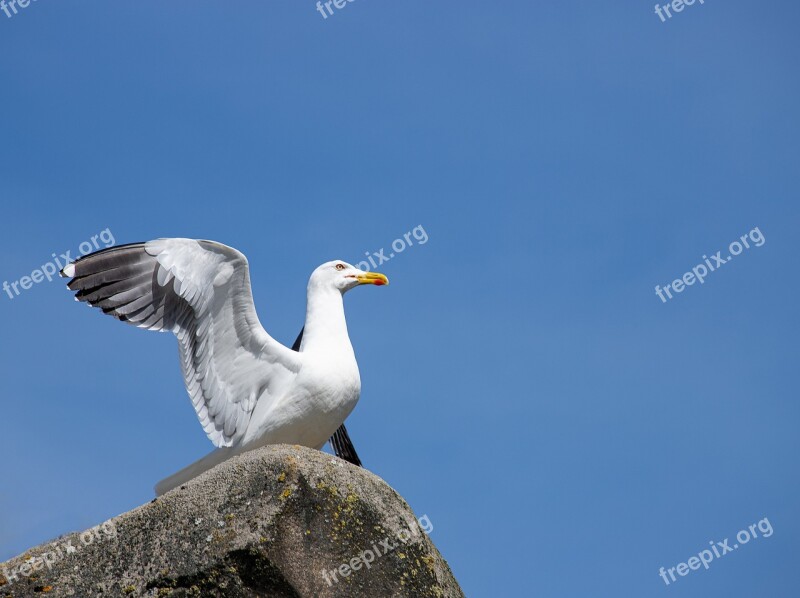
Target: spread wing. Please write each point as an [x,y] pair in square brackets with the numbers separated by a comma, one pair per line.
[200,291]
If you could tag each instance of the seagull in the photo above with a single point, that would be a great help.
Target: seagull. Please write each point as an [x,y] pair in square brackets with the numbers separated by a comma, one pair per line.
[247,389]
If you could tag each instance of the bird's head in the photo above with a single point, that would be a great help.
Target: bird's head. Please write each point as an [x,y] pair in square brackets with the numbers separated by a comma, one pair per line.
[343,276]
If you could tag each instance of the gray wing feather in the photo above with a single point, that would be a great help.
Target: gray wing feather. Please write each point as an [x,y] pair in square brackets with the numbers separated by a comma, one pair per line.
[200,291]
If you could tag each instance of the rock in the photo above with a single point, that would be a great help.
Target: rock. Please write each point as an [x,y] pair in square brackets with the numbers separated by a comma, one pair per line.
[282,521]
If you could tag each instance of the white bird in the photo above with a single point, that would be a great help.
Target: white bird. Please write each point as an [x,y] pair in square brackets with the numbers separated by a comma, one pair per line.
[248,389]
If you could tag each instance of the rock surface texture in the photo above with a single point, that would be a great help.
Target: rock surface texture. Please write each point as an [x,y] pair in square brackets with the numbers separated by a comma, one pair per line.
[282,521]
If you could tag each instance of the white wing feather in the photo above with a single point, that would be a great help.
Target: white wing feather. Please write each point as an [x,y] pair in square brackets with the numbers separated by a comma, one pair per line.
[200,291]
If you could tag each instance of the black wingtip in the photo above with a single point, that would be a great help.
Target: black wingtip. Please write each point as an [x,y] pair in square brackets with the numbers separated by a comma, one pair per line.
[343,446]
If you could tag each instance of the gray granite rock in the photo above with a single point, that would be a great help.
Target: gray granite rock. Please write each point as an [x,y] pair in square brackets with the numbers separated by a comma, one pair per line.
[266,523]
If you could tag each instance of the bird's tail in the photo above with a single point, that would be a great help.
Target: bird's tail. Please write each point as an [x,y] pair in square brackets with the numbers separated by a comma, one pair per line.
[195,469]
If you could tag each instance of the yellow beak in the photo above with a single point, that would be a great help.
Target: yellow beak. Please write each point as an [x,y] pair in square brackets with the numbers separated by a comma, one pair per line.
[375,278]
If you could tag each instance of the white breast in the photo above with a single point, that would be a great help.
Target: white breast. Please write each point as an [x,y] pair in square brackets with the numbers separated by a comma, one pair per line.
[325,392]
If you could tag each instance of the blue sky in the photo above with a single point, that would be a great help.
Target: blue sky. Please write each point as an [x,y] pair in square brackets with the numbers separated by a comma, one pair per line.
[566,432]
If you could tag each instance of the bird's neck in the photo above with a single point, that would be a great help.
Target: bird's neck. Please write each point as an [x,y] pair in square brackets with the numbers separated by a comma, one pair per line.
[326,327]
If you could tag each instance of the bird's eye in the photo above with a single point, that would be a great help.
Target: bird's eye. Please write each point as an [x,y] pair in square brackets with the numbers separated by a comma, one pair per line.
[340,266]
